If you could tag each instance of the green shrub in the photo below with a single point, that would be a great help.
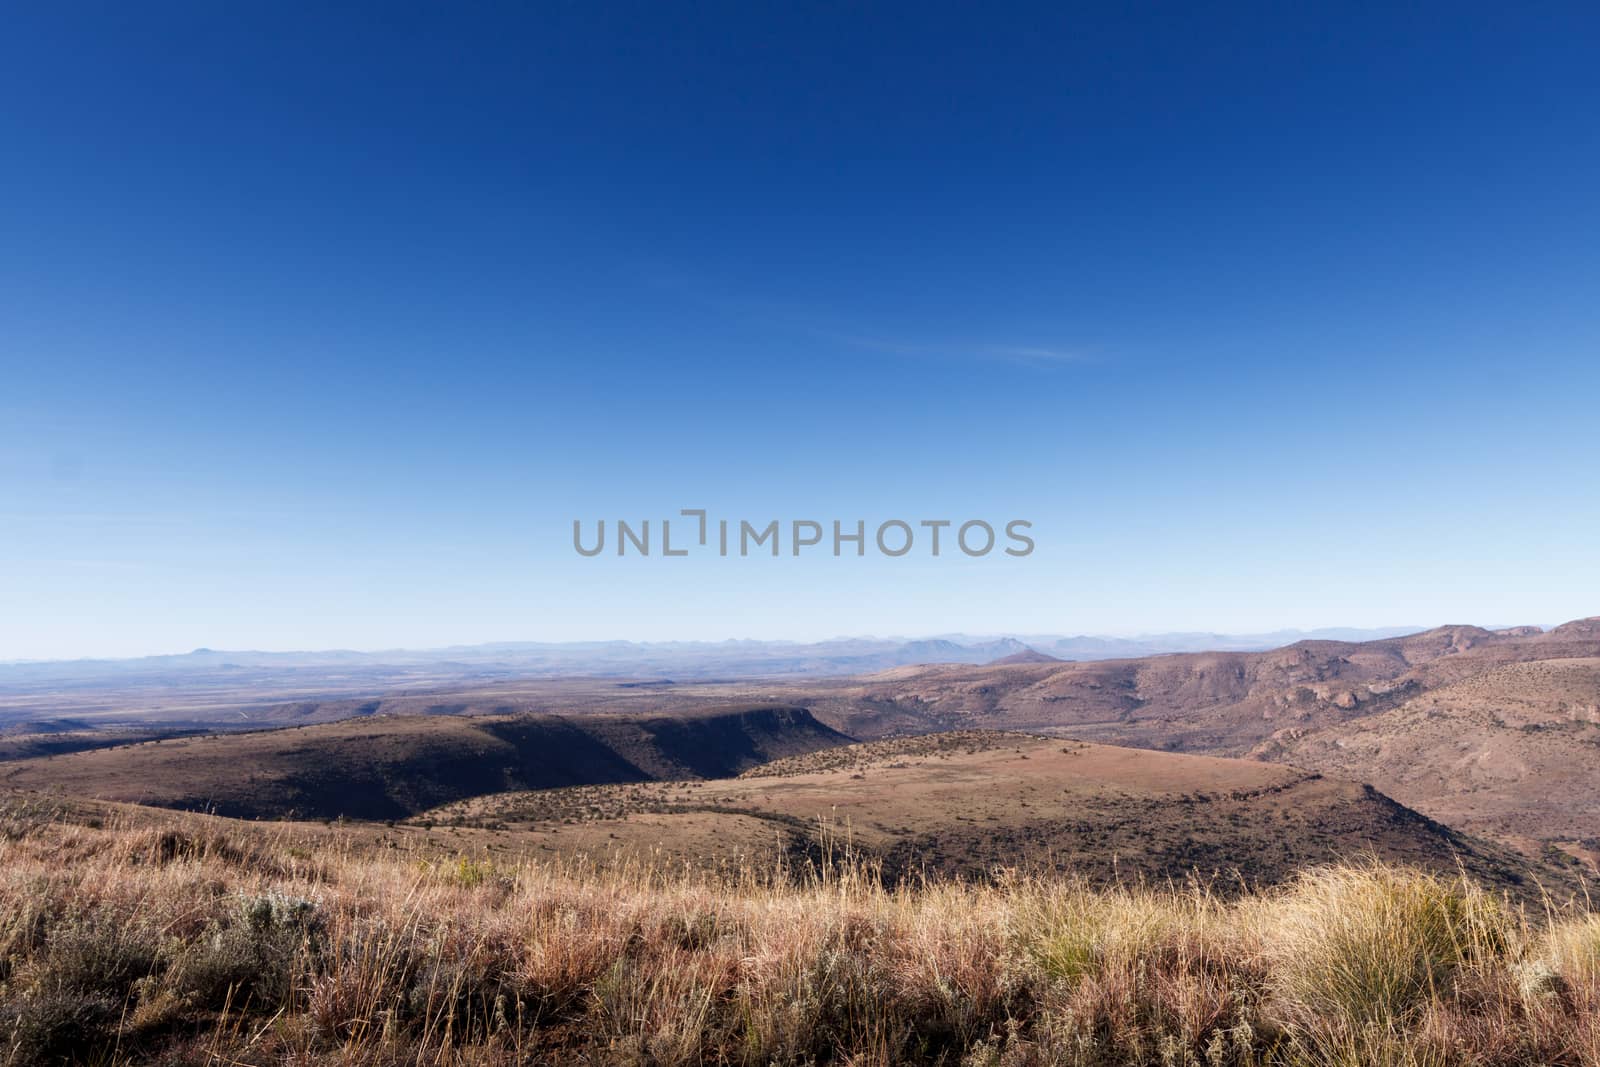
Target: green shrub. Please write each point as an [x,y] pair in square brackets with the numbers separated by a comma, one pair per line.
[249,957]
[55,1026]
[97,954]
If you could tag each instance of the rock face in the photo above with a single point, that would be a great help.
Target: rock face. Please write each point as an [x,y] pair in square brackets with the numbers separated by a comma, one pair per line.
[1578,629]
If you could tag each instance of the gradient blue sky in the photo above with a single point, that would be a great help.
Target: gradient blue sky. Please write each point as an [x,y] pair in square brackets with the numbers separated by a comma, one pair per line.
[318,328]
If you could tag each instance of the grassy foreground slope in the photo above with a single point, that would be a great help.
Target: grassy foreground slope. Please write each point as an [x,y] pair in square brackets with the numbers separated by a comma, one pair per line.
[171,938]
[389,767]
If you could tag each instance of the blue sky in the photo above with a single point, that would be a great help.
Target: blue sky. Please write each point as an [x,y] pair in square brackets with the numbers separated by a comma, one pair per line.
[318,328]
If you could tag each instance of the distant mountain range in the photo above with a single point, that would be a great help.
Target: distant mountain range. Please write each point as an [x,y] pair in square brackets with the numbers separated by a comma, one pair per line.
[674,659]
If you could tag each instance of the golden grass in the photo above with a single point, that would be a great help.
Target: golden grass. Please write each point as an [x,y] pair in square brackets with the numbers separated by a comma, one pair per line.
[206,943]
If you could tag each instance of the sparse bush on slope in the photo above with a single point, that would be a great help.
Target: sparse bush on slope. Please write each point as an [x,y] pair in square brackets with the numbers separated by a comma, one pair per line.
[242,951]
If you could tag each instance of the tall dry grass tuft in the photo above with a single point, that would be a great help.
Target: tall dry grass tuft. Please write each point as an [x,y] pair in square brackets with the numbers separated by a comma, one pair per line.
[1369,964]
[1369,945]
[1571,948]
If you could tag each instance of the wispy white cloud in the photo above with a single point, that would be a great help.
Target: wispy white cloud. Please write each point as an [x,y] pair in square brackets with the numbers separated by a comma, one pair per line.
[1030,355]
[1034,354]
[812,322]
[872,344]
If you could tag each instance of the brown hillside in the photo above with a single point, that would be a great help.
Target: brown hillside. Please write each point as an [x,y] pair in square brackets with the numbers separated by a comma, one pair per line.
[1221,703]
[966,803]
[1512,751]
[385,768]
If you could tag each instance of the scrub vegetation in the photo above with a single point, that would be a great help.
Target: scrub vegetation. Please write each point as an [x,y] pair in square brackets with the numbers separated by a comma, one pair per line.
[199,941]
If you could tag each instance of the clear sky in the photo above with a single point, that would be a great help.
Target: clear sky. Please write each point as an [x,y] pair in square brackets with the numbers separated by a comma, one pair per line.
[319,327]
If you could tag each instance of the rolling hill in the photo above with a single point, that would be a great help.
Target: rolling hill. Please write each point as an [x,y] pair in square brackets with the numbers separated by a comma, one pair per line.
[970,802]
[390,767]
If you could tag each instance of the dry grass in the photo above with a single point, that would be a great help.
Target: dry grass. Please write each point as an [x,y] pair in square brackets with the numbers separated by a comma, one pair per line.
[123,943]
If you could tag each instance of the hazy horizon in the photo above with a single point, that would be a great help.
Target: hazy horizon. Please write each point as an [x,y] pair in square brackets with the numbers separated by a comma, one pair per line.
[1359,632]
